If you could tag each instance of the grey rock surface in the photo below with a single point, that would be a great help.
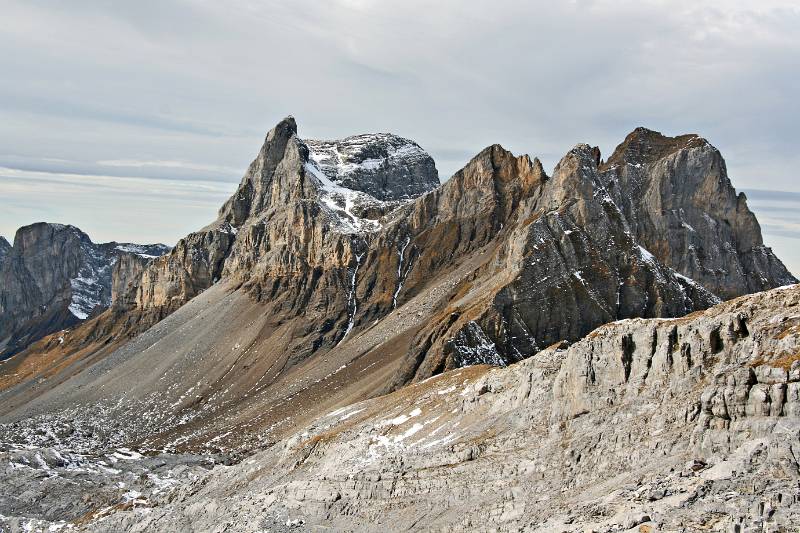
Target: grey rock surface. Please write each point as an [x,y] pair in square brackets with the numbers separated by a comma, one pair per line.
[680,204]
[385,166]
[54,277]
[688,424]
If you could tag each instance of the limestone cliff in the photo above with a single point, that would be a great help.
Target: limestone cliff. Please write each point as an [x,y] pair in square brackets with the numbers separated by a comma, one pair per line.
[681,206]
[53,278]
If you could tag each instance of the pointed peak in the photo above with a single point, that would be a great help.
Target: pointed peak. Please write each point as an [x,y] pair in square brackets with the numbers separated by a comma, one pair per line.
[643,131]
[497,157]
[581,154]
[282,130]
[289,122]
[493,155]
[538,168]
[502,175]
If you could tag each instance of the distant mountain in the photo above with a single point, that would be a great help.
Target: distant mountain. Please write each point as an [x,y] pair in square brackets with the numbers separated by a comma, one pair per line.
[54,277]
[341,271]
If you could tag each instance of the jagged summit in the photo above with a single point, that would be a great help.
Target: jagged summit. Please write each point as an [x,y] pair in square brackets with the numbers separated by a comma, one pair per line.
[680,204]
[357,180]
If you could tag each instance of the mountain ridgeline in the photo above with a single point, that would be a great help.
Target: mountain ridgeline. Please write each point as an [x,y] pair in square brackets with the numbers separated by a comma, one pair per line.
[658,230]
[350,253]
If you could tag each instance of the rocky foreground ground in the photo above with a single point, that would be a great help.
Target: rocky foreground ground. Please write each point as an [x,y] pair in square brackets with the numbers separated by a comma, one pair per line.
[689,424]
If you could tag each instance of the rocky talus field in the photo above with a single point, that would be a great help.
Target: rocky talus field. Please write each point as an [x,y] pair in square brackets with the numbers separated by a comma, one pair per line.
[352,346]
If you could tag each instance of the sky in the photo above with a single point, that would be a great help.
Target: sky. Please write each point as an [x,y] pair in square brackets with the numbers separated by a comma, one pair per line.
[135,120]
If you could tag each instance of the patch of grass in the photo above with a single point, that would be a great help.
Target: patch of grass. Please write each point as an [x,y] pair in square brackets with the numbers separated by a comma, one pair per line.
[791,330]
[688,318]
[784,361]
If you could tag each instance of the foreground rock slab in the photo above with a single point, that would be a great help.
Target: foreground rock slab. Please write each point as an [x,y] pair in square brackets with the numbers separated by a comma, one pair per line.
[689,424]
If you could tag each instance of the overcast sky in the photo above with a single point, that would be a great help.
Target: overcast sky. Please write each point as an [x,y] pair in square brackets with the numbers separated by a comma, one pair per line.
[135,120]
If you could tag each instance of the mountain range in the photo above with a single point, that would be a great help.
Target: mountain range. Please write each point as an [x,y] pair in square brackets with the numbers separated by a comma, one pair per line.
[371,348]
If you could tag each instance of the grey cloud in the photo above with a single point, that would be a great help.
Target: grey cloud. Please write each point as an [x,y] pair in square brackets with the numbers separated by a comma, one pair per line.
[201,82]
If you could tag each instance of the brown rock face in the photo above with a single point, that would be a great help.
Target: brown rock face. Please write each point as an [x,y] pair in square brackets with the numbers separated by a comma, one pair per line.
[563,261]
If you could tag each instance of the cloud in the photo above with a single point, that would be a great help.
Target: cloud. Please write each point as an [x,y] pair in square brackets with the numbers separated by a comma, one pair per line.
[109,208]
[185,90]
[134,163]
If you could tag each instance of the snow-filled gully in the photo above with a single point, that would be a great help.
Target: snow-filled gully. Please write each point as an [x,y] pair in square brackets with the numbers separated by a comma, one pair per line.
[401,276]
[352,304]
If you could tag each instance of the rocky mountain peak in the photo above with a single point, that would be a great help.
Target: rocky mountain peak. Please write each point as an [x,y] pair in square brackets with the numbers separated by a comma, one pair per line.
[499,171]
[643,146]
[383,165]
[356,180]
[31,234]
[272,177]
[581,155]
[680,204]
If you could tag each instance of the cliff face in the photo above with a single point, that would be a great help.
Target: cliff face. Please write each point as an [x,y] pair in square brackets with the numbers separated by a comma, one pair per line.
[682,207]
[53,278]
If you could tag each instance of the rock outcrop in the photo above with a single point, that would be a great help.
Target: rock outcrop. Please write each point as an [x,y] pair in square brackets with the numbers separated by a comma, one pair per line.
[53,278]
